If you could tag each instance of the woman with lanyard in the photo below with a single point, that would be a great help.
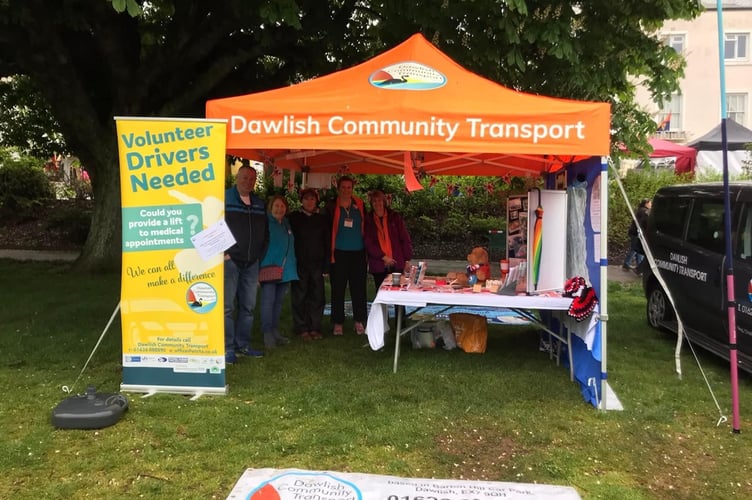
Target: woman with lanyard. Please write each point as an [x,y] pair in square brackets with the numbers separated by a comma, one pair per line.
[348,257]
[281,252]
[388,243]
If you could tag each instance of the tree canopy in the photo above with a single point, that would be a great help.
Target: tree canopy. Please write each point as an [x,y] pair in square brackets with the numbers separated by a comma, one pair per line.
[92,60]
[27,122]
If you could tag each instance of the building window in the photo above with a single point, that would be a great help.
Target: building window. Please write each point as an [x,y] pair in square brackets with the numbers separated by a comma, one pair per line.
[736,107]
[670,115]
[736,46]
[675,41]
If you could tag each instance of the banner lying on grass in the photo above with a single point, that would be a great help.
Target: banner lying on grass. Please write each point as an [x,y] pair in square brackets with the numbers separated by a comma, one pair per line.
[292,484]
[172,175]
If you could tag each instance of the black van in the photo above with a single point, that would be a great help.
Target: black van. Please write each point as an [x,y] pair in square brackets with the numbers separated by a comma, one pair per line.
[686,235]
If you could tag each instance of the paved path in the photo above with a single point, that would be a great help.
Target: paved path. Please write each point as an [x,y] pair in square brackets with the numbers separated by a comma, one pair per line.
[615,273]
[47,255]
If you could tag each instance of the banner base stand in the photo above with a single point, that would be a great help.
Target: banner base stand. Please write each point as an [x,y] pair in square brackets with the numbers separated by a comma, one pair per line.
[612,401]
[196,392]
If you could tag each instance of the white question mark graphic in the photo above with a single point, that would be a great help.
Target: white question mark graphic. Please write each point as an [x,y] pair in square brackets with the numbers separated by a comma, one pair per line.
[193,219]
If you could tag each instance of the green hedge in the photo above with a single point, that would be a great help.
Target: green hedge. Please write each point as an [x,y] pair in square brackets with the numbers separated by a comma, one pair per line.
[24,186]
[451,215]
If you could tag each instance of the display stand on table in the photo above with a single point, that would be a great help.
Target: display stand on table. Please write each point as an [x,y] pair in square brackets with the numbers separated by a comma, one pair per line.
[537,225]
[547,234]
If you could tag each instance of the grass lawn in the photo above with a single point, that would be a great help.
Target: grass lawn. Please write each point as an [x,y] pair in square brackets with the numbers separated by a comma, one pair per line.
[507,415]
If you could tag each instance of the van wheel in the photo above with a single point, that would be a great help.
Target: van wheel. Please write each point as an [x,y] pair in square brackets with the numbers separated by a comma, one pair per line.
[658,308]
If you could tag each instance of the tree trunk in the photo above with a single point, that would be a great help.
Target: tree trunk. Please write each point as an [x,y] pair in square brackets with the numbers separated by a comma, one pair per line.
[102,250]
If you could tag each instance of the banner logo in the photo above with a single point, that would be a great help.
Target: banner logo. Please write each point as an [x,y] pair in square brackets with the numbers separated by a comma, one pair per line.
[407,76]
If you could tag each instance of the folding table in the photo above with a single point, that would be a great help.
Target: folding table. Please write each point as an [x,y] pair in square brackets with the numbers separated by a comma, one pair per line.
[387,295]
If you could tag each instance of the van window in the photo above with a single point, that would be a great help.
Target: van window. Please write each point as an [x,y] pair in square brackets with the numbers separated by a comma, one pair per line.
[706,225]
[743,248]
[669,215]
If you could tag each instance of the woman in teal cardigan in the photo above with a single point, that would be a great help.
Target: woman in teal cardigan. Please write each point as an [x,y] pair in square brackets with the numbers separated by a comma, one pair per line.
[281,252]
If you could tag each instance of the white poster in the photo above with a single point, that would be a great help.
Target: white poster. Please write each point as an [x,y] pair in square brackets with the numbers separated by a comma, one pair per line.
[595,205]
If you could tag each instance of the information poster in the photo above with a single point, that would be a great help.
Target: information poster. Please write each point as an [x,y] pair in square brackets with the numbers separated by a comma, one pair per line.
[517,208]
[172,188]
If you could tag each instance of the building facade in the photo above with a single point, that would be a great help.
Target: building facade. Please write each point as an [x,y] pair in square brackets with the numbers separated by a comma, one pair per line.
[696,108]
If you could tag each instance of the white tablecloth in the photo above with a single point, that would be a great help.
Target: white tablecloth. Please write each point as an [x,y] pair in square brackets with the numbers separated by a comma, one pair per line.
[378,323]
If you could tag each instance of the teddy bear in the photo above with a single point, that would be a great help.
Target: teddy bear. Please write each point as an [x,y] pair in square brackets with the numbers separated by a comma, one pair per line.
[477,265]
[478,270]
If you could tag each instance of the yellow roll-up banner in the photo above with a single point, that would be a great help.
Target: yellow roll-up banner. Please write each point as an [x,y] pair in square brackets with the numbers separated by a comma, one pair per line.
[172,175]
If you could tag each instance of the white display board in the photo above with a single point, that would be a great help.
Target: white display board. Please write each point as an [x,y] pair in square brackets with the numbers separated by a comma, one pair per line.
[553,262]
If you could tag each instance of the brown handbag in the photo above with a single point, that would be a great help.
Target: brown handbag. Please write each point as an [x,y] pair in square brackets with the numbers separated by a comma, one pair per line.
[270,274]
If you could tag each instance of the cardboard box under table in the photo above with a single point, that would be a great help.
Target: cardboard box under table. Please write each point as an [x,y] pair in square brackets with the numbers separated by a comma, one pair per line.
[524,305]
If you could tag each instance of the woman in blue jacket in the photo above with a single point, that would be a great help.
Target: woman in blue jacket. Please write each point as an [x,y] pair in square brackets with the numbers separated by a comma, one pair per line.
[281,252]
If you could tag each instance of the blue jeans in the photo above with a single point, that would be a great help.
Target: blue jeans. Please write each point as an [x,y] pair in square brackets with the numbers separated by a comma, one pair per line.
[241,283]
[631,254]
[272,295]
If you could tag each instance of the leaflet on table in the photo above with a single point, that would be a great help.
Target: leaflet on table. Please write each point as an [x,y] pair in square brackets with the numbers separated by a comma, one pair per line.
[516,280]
[417,274]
